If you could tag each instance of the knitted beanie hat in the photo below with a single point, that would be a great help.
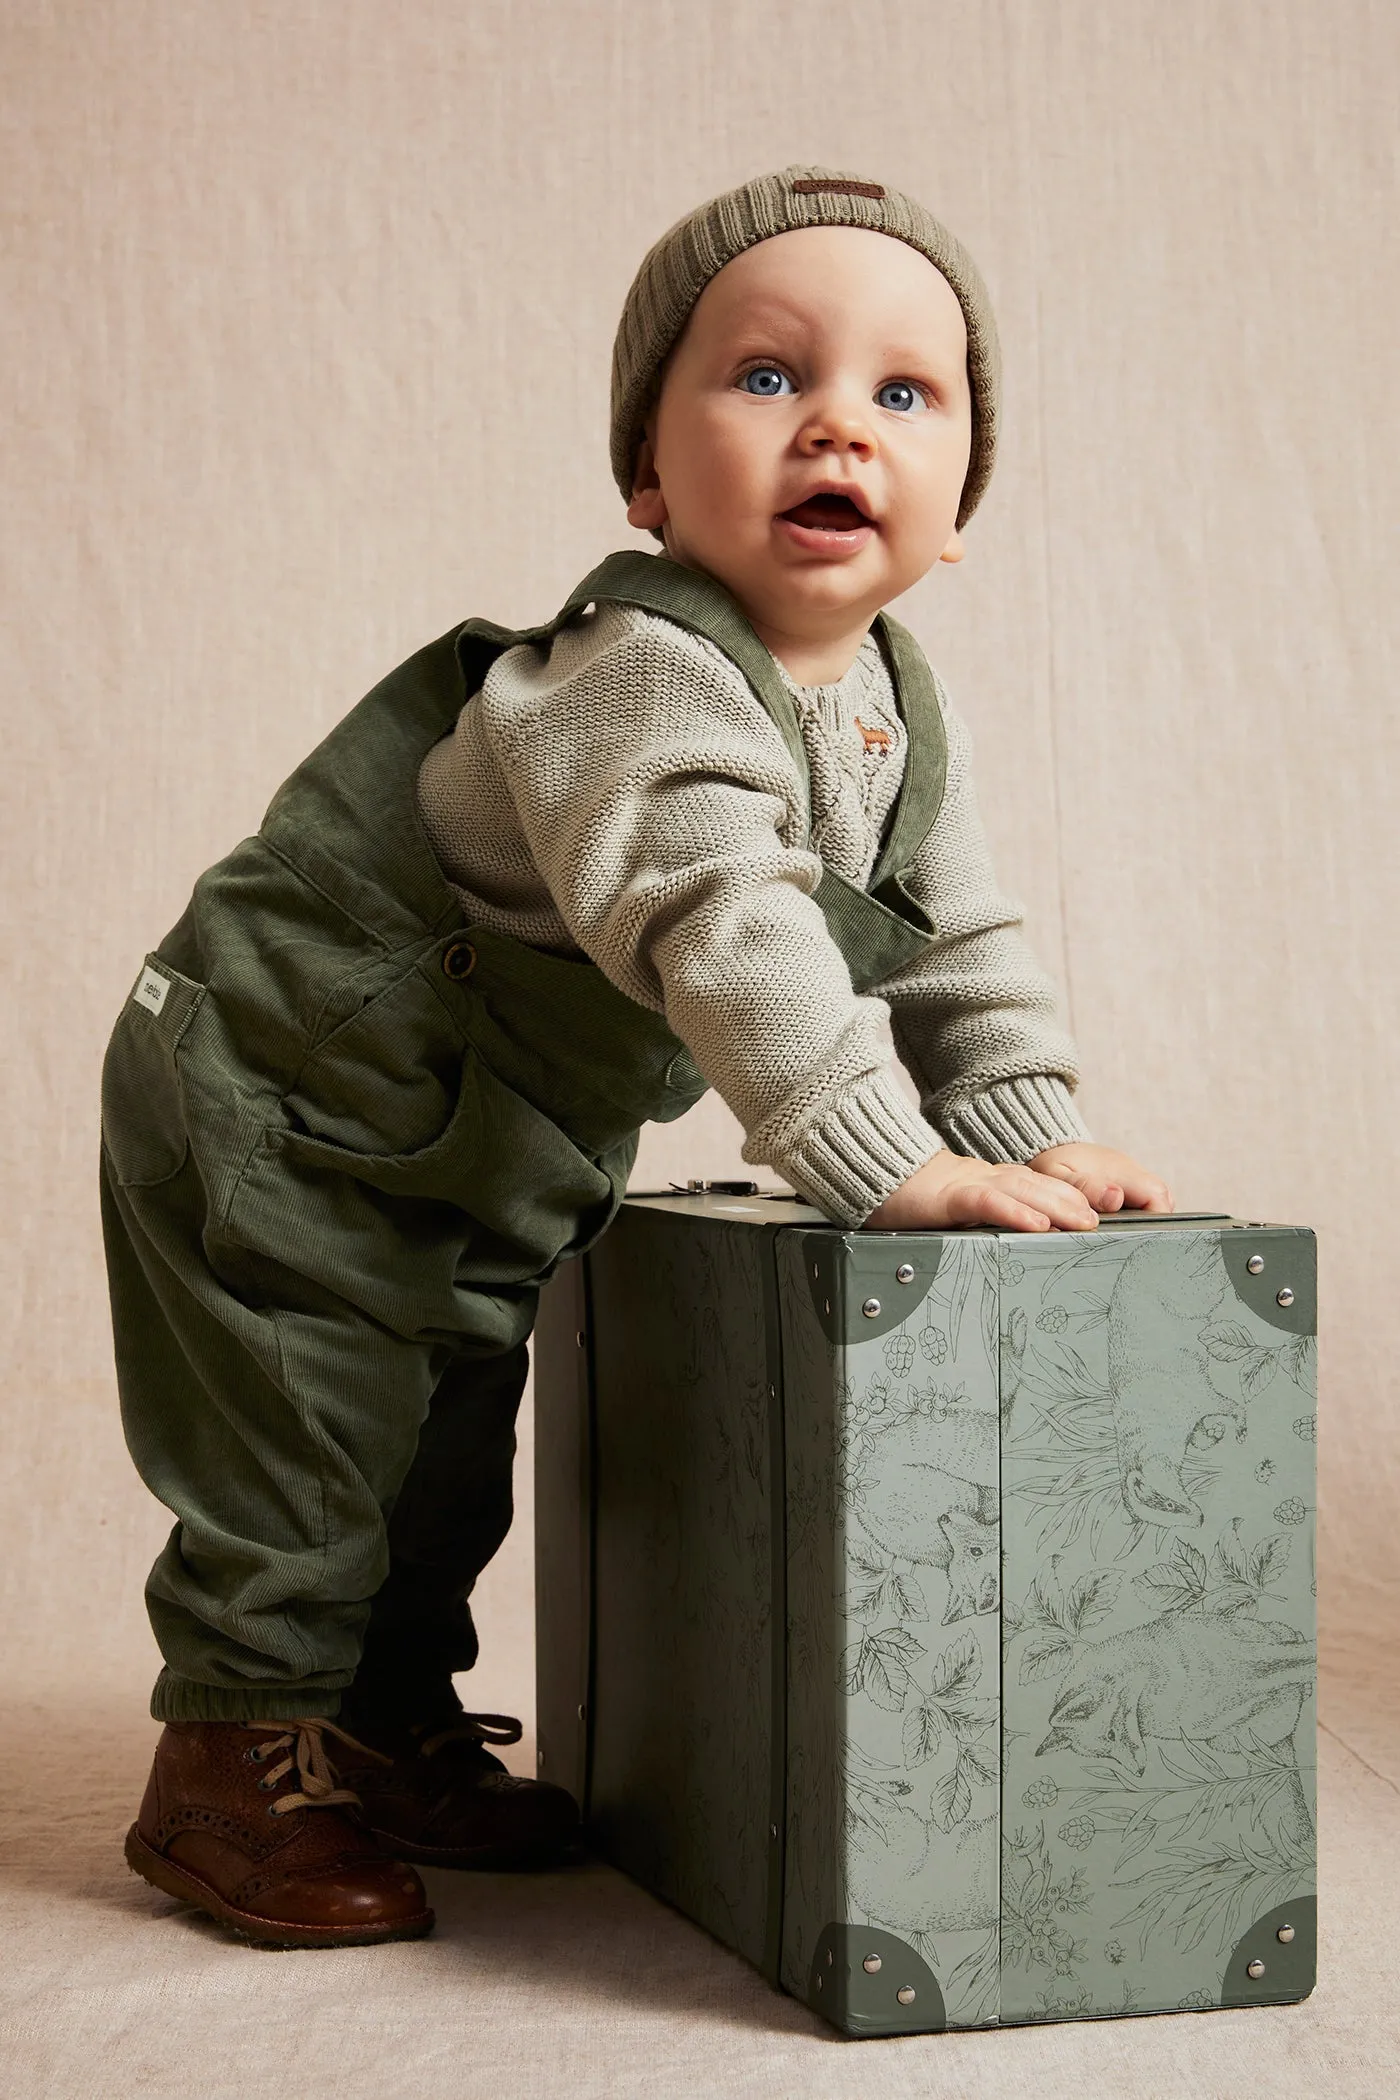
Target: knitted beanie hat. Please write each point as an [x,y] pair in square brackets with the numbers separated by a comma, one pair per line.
[677,269]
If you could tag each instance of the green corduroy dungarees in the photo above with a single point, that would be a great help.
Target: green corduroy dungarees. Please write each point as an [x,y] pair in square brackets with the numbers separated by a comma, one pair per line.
[346,1137]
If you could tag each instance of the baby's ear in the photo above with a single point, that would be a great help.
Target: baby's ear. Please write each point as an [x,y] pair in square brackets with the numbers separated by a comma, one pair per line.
[954,550]
[647,509]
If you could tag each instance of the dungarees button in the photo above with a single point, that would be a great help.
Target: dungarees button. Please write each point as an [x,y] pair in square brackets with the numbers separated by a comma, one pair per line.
[459,961]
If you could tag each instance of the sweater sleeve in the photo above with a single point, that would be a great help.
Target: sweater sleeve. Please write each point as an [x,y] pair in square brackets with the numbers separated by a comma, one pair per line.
[667,817]
[974,1019]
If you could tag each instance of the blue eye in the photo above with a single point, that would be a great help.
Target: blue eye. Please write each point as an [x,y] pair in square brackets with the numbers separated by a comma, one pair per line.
[901,395]
[767,382]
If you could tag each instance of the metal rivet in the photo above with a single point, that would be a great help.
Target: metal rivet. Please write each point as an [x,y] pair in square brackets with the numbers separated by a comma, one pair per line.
[1285,1933]
[830,1957]
[582,1339]
[1285,1296]
[772,1830]
[907,1995]
[583,1713]
[871,1308]
[905,1272]
[1255,1264]
[539,1758]
[820,1981]
[1255,1969]
[872,1965]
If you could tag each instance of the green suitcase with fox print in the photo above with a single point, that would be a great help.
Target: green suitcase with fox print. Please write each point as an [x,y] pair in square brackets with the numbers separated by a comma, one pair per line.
[931,1616]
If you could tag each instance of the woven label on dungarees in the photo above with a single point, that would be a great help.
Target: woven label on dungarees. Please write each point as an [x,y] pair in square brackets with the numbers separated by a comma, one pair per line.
[151,990]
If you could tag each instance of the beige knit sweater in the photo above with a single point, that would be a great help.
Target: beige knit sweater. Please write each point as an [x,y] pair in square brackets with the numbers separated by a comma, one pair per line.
[624,795]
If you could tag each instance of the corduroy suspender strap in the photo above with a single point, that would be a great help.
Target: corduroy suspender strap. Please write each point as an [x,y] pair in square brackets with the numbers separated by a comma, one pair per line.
[881,928]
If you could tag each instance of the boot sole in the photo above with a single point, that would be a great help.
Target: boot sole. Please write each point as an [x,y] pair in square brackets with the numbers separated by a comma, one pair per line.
[482,1859]
[172,1880]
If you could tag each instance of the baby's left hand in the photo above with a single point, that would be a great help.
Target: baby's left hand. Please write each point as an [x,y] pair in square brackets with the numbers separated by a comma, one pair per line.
[1108,1179]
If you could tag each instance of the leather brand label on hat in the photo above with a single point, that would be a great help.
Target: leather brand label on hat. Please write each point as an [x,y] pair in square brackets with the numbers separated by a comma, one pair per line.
[814,186]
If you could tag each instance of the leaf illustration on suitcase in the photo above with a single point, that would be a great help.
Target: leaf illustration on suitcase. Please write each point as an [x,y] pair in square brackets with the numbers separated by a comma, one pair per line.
[1082,1282]
[972,1989]
[1056,1617]
[1233,1580]
[1253,1567]
[1068,1463]
[968,1270]
[1012,1339]
[1202,1788]
[887,1590]
[958,1668]
[1210,1892]
[1177,1584]
[941,1730]
[1066,1455]
[878,1664]
[1231,1345]
[915,1866]
[1179,1732]
[924,1729]
[1300,1361]
[952,1797]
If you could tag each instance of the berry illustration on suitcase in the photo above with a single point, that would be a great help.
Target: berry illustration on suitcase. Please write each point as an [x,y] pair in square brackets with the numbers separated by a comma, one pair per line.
[1040,1714]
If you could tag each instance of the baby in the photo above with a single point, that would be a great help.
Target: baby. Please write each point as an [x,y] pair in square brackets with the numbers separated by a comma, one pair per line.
[711,826]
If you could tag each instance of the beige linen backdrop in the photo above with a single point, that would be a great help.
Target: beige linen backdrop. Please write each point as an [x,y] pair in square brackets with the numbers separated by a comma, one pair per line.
[307,324]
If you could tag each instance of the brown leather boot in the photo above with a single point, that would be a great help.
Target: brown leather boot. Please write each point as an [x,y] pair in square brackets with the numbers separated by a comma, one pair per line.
[437,1795]
[249,1824]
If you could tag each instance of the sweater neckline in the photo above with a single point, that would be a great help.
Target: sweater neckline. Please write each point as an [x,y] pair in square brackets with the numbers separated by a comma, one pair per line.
[863,665]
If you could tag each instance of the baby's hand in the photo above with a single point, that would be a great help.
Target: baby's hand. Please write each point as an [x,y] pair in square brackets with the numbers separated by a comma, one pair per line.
[950,1190]
[1109,1179]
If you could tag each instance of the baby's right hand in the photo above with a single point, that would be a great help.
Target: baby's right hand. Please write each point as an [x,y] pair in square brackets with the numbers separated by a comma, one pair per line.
[950,1190]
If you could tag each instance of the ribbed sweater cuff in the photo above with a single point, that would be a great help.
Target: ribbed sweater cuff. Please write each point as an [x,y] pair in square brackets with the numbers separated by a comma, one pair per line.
[860,1151]
[1014,1120]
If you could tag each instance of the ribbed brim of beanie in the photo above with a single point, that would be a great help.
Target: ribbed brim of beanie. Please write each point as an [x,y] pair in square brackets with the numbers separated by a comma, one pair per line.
[677,269]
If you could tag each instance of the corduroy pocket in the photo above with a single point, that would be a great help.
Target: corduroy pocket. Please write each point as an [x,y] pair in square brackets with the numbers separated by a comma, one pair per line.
[144,1125]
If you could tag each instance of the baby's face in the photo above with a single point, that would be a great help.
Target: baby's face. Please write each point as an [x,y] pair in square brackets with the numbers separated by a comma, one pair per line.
[812,433]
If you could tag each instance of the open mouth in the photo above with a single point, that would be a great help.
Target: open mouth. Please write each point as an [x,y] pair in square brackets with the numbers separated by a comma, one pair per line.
[827,512]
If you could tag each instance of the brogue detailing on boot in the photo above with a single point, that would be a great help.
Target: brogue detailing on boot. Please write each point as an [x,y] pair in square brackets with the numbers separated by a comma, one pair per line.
[304,1752]
[229,1828]
[212,1820]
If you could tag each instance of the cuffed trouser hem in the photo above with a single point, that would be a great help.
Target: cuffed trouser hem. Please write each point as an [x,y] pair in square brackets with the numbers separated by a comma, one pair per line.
[181,1699]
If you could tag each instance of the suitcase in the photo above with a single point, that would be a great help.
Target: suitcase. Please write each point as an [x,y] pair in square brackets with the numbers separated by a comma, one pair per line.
[930,1616]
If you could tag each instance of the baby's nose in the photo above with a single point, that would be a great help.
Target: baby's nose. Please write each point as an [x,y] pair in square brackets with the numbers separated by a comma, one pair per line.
[834,428]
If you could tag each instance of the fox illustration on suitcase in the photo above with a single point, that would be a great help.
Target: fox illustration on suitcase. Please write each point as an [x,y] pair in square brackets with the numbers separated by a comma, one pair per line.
[929,1494]
[1091,1462]
[1181,1675]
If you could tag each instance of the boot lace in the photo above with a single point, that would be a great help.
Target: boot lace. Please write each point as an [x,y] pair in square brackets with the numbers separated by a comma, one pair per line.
[305,1750]
[479,1729]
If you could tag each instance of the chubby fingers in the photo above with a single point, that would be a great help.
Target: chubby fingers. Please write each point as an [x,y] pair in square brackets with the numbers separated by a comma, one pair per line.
[1145,1191]
[1021,1200]
[1096,1184]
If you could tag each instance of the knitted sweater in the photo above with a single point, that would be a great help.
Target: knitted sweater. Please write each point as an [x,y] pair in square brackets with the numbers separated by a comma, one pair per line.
[622,794]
